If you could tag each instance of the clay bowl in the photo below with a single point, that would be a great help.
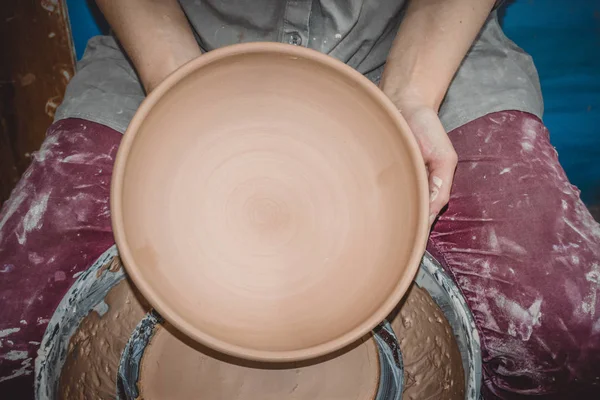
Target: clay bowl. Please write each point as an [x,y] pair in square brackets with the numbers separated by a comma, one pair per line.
[270,202]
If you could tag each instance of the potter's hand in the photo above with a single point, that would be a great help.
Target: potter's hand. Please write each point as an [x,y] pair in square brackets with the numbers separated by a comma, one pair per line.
[436,148]
[433,38]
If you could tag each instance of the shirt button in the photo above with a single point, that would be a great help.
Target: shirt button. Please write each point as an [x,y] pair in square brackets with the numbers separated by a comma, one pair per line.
[294,38]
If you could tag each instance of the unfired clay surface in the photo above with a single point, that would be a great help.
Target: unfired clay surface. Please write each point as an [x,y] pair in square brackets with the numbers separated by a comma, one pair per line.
[270,202]
[176,368]
[90,369]
[432,363]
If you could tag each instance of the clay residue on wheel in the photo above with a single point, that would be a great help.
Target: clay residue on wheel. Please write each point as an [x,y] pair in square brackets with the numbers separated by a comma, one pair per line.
[90,369]
[175,368]
[432,362]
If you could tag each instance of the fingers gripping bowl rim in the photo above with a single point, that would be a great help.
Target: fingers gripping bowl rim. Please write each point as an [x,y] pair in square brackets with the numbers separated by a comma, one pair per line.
[136,268]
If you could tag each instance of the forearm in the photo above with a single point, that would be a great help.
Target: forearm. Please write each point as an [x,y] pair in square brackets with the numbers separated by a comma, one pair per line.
[432,41]
[155,34]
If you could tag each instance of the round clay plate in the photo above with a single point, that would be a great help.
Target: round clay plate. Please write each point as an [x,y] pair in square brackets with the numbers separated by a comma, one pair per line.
[270,202]
[160,363]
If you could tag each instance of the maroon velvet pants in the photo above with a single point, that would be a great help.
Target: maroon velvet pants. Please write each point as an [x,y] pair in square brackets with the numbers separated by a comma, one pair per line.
[516,238]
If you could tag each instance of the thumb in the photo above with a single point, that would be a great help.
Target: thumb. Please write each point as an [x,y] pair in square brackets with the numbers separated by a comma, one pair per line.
[441,174]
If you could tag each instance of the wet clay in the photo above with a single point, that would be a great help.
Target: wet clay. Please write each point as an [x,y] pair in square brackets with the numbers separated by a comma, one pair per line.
[272,201]
[432,362]
[173,367]
[90,369]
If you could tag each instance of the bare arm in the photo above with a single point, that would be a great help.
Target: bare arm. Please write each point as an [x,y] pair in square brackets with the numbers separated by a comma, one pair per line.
[432,41]
[155,34]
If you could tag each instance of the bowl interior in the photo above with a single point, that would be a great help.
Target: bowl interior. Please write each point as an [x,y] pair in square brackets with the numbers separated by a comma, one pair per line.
[269,204]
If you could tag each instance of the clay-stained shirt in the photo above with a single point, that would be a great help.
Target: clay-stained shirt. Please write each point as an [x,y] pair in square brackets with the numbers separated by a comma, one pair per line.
[495,75]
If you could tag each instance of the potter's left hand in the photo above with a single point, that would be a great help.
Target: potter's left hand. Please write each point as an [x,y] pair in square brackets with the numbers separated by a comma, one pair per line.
[436,148]
[432,41]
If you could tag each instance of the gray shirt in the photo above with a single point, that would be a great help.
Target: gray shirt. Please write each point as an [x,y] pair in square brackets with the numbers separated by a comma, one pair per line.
[495,75]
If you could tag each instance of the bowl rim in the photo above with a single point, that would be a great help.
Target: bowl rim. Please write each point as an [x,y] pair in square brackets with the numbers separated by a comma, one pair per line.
[171,314]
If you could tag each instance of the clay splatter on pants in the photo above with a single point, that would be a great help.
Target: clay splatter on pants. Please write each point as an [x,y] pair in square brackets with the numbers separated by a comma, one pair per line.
[54,226]
[516,238]
[526,254]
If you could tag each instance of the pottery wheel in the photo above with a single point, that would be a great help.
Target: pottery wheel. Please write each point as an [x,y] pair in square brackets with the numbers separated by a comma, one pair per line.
[173,367]
[100,295]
